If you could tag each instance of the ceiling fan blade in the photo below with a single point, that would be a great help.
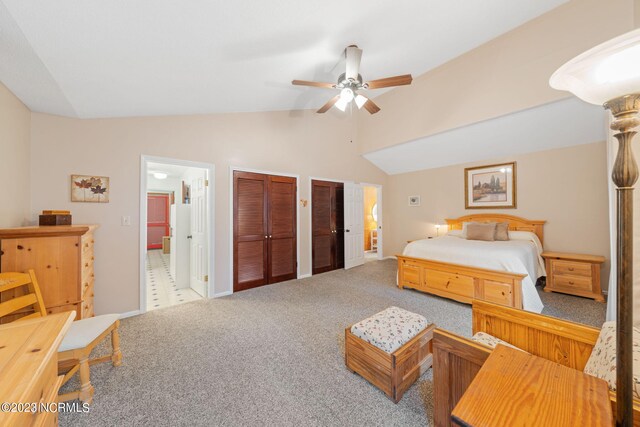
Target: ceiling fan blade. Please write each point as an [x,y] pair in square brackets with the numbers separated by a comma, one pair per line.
[328,105]
[371,107]
[405,79]
[353,55]
[314,84]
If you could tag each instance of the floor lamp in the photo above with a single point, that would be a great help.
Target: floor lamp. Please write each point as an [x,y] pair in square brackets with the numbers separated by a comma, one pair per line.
[609,75]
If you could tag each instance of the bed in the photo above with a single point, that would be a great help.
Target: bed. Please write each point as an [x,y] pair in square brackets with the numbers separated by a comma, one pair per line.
[463,270]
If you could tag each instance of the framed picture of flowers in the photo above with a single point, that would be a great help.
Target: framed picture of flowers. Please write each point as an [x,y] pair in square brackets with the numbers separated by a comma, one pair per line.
[91,189]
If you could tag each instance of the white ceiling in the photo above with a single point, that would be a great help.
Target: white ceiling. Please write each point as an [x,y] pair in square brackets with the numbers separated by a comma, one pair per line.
[172,171]
[97,58]
[555,125]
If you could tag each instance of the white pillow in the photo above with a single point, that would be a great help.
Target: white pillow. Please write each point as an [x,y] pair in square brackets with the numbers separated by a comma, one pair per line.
[527,235]
[455,233]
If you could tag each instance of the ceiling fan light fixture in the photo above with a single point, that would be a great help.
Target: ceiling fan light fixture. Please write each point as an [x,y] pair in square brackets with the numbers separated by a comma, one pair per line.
[341,104]
[347,95]
[351,81]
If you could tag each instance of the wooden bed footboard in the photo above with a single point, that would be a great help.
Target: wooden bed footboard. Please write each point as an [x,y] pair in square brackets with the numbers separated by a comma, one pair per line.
[459,282]
[457,360]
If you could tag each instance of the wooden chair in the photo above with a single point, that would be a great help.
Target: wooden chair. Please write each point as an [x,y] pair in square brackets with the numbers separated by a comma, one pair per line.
[457,360]
[80,340]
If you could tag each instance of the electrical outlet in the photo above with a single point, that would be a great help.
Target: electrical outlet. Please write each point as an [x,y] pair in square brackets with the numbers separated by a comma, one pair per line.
[126,220]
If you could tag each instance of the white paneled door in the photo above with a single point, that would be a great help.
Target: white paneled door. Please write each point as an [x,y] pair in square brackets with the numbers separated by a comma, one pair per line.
[199,268]
[353,225]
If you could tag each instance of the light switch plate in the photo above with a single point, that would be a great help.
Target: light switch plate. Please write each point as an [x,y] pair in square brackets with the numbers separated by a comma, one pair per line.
[126,220]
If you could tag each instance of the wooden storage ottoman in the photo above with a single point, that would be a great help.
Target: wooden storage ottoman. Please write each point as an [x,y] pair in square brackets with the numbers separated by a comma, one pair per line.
[390,350]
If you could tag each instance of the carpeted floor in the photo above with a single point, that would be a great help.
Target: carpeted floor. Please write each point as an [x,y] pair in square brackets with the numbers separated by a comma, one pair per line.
[273,356]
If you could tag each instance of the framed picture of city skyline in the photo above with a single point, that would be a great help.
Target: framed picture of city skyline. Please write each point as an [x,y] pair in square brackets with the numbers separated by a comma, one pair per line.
[490,187]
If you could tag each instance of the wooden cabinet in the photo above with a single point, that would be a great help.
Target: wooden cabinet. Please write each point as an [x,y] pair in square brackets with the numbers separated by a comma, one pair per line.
[327,225]
[29,374]
[574,274]
[62,257]
[264,229]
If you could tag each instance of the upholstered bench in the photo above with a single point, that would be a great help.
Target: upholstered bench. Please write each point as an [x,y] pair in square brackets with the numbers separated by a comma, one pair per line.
[390,349]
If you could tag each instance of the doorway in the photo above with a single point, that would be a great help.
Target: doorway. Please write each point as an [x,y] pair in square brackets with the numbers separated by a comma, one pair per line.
[371,245]
[157,219]
[177,229]
[360,220]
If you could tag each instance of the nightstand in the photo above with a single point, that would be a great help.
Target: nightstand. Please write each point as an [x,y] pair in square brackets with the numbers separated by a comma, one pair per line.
[574,274]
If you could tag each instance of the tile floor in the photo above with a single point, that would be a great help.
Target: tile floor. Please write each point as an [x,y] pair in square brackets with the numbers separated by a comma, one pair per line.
[161,289]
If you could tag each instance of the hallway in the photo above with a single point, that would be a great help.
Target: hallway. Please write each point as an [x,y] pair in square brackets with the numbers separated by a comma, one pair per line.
[161,289]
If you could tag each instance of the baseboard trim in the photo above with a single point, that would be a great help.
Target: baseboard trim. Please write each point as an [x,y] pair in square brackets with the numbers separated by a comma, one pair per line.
[222,294]
[130,314]
[304,276]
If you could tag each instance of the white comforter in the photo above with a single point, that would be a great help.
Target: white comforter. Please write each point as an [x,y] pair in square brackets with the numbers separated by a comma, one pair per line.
[519,255]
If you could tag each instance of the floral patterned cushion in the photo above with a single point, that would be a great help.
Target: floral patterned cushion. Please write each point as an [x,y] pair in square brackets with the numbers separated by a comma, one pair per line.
[602,362]
[390,329]
[490,340]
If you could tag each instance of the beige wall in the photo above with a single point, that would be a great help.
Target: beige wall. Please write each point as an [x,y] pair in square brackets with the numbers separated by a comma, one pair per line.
[299,142]
[15,162]
[565,187]
[507,74]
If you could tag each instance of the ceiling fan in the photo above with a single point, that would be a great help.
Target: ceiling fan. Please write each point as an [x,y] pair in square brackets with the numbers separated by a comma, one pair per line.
[351,84]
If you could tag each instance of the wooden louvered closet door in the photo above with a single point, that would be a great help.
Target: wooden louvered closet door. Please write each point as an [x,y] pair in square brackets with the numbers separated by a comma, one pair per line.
[282,229]
[249,230]
[264,246]
[327,218]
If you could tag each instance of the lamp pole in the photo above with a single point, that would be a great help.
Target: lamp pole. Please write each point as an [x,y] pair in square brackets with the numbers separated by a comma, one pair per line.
[625,174]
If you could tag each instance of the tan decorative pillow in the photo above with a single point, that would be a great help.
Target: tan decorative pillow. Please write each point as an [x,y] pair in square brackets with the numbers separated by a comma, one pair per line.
[481,231]
[502,231]
[602,362]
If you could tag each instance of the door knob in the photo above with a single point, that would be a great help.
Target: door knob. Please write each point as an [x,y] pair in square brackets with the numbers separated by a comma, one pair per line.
[189,236]
[347,230]
[266,237]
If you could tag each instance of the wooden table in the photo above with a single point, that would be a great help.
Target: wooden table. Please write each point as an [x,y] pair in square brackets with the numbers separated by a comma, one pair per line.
[514,388]
[29,367]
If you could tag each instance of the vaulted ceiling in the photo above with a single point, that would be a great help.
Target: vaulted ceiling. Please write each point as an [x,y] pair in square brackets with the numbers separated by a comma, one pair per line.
[97,58]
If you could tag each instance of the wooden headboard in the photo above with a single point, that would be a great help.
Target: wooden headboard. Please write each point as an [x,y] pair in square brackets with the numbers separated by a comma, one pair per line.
[515,223]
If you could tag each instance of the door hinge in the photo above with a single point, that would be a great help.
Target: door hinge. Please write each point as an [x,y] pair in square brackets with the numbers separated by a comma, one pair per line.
[206,182]
[206,278]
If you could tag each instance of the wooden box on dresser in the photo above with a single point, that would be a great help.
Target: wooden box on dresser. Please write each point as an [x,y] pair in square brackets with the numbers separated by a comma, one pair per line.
[62,257]
[574,274]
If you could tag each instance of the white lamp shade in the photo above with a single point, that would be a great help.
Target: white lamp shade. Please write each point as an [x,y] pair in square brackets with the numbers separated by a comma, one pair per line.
[341,104]
[603,73]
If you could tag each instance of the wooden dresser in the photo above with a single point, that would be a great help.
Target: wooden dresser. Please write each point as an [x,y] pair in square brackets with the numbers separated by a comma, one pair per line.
[62,257]
[574,274]
[29,368]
